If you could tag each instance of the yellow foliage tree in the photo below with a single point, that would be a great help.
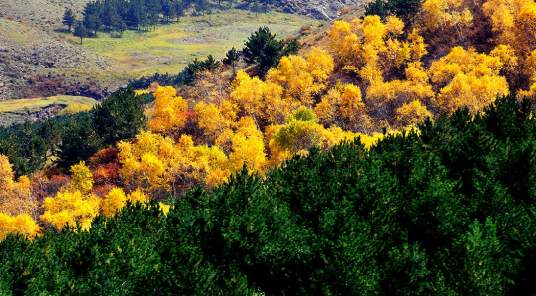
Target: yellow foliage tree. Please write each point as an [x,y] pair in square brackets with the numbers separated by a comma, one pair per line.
[260,100]
[15,196]
[69,209]
[513,22]
[445,14]
[343,106]
[154,162]
[468,79]
[372,48]
[81,178]
[170,111]
[301,78]
[147,162]
[247,147]
[22,224]
[384,97]
[116,199]
[344,42]
[138,196]
[215,119]
[412,113]
[113,201]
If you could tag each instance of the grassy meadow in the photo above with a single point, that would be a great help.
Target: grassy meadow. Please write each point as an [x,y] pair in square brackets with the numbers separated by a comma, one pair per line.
[168,48]
[12,111]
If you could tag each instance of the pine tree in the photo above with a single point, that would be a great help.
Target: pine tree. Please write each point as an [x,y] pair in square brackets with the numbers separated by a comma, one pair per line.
[92,20]
[80,31]
[262,50]
[232,58]
[69,18]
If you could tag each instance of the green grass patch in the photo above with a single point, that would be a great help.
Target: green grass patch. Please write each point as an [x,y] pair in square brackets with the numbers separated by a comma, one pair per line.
[168,48]
[24,106]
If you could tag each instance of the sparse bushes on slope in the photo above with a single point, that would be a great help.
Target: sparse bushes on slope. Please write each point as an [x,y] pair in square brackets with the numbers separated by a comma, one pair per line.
[448,210]
[75,137]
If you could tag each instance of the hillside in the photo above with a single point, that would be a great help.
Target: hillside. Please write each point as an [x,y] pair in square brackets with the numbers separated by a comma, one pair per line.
[43,14]
[390,152]
[38,59]
[343,222]
[38,63]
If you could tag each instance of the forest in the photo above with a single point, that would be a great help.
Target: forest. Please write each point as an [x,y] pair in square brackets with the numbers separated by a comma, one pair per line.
[394,155]
[120,15]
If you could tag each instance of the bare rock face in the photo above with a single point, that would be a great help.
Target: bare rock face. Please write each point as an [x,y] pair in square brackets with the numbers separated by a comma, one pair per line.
[8,118]
[319,9]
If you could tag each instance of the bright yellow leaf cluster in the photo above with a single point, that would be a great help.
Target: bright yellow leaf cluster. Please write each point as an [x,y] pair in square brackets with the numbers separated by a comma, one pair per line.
[513,22]
[15,196]
[75,204]
[412,113]
[22,224]
[116,199]
[169,112]
[154,162]
[466,78]
[71,208]
[343,106]
[301,78]
[373,48]
[259,99]
[442,14]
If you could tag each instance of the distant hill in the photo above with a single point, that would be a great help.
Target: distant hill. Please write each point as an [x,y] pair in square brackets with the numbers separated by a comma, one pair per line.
[35,60]
[40,60]
[45,14]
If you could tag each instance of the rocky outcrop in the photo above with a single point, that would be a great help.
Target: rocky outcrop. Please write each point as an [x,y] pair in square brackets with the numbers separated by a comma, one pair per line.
[319,9]
[8,118]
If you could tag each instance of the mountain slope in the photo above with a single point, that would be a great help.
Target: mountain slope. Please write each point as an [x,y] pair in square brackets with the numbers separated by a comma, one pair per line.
[319,9]
[38,63]
[40,60]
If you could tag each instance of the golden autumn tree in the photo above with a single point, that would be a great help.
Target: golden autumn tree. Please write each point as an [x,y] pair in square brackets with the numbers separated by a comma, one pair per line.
[263,101]
[384,97]
[170,111]
[344,42]
[156,163]
[411,113]
[113,201]
[248,147]
[446,14]
[214,119]
[15,196]
[147,161]
[70,208]
[116,199]
[513,22]
[373,48]
[466,78]
[75,204]
[301,78]
[21,224]
[343,106]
